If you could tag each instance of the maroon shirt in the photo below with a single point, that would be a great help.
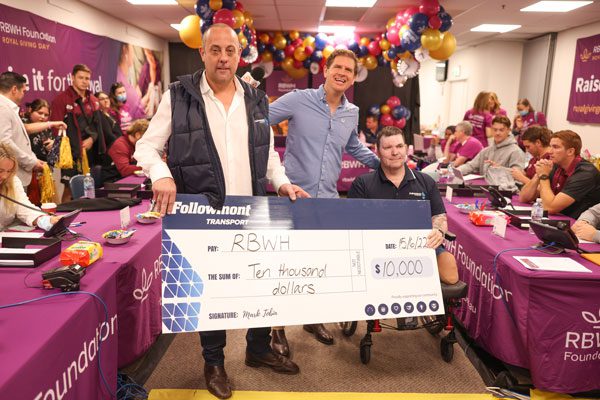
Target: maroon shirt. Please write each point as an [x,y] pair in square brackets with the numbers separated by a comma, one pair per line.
[530,170]
[121,153]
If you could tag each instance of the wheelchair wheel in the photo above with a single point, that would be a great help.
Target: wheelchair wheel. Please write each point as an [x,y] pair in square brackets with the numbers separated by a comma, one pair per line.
[365,353]
[446,350]
[433,324]
[348,327]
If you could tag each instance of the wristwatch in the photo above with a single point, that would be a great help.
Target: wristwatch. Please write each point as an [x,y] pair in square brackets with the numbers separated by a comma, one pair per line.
[544,177]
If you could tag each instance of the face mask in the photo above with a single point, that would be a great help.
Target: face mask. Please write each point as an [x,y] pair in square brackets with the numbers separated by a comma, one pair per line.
[122,97]
[523,113]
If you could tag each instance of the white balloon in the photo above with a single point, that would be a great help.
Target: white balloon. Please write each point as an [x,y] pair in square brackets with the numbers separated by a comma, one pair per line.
[399,80]
[362,73]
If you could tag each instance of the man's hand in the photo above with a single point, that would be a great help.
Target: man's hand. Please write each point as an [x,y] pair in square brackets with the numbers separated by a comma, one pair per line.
[543,167]
[492,163]
[164,191]
[518,174]
[584,231]
[435,238]
[39,166]
[58,124]
[292,191]
[87,143]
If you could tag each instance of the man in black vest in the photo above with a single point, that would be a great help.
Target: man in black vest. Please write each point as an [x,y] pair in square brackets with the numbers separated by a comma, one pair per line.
[209,119]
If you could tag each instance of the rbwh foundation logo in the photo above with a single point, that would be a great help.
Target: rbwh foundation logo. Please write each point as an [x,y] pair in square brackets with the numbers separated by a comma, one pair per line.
[587,343]
[585,55]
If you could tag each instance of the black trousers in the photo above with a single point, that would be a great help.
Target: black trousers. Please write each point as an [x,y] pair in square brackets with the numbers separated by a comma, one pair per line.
[213,342]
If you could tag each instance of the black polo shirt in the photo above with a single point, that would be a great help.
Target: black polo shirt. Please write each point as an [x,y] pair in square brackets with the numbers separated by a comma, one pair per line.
[414,186]
[583,185]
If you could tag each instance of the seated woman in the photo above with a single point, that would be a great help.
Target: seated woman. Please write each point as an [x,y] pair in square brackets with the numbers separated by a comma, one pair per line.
[587,225]
[123,148]
[11,187]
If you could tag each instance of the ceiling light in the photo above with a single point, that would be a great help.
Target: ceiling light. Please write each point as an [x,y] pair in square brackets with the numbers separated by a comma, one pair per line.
[350,3]
[555,6]
[177,27]
[153,2]
[499,28]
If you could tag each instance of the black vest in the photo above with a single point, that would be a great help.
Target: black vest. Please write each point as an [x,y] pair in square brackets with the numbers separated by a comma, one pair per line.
[192,154]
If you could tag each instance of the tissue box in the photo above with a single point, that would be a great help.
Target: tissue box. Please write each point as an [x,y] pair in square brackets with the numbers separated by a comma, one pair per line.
[486,217]
[82,253]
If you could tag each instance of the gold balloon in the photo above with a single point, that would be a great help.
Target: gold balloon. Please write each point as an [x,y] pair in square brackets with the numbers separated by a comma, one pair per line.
[405,55]
[327,51]
[299,53]
[267,56]
[294,35]
[403,29]
[279,42]
[394,65]
[248,18]
[190,33]
[287,63]
[384,44]
[238,18]
[364,41]
[446,49]
[297,73]
[431,39]
[243,42]
[264,37]
[385,109]
[215,4]
[390,22]
[308,41]
[370,62]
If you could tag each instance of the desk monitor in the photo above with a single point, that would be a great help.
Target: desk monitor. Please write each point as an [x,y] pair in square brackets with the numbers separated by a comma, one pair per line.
[561,236]
[458,176]
[61,227]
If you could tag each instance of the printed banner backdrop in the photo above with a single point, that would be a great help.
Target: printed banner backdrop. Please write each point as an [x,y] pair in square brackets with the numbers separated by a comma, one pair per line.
[45,51]
[584,101]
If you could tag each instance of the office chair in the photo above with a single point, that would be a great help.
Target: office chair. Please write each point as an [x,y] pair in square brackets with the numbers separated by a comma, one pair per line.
[76,186]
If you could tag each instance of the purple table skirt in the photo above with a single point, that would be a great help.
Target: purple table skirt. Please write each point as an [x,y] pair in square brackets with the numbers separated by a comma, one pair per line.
[547,322]
[40,341]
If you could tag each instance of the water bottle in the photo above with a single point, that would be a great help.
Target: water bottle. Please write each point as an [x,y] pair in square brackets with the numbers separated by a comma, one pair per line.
[88,187]
[537,213]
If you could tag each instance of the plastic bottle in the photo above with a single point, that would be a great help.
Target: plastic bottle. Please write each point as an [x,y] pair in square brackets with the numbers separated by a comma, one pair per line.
[88,187]
[537,213]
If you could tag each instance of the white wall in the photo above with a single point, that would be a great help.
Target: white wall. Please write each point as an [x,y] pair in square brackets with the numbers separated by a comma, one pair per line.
[560,87]
[493,66]
[81,16]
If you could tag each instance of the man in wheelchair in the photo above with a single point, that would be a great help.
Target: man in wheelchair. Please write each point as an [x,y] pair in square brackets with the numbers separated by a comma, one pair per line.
[394,180]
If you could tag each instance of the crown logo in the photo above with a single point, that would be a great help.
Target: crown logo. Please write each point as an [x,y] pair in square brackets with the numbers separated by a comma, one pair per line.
[591,318]
[585,55]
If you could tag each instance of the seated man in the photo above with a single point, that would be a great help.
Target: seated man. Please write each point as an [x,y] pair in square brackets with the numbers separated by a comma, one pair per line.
[504,152]
[394,180]
[461,146]
[566,183]
[587,225]
[536,141]
[123,148]
[369,135]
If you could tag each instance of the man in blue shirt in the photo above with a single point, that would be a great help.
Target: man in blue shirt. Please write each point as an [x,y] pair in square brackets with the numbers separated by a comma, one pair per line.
[322,124]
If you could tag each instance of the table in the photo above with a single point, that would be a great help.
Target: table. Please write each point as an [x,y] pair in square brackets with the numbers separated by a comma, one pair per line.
[351,168]
[546,322]
[51,345]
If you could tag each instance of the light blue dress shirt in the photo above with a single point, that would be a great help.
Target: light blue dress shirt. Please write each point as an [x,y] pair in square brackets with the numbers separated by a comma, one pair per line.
[316,139]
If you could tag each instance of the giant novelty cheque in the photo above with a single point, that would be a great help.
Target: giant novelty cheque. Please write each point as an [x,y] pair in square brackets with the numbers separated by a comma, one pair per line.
[265,261]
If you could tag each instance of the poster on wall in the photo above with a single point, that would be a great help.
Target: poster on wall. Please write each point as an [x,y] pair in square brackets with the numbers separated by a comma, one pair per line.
[45,52]
[584,100]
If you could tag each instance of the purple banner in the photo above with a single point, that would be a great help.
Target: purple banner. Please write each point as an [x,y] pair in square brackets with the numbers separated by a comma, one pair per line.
[584,101]
[45,52]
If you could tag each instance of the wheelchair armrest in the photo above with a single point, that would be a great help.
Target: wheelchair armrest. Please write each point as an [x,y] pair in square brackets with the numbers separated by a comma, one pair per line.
[449,236]
[456,291]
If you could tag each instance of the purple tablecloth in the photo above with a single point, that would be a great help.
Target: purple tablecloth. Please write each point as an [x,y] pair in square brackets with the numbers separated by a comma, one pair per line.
[547,322]
[42,344]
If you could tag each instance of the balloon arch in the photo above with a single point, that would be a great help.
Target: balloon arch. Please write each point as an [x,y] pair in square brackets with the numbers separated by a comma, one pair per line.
[411,37]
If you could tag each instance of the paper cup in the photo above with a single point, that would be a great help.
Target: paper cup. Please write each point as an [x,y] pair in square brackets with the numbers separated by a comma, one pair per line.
[49,207]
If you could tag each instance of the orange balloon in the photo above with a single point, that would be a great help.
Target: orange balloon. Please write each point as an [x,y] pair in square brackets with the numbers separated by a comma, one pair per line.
[294,35]
[446,49]
[267,56]
[431,39]
[297,73]
[190,33]
[405,55]
[279,42]
[390,22]
[215,4]
[248,18]
[327,51]
[384,44]
[299,54]
[385,109]
[264,37]
[364,41]
[238,18]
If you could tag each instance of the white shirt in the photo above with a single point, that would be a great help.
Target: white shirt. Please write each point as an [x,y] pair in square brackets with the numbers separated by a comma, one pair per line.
[229,131]
[24,214]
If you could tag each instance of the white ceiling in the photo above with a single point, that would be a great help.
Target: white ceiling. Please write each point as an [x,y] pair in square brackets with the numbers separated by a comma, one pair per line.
[270,15]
